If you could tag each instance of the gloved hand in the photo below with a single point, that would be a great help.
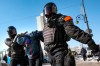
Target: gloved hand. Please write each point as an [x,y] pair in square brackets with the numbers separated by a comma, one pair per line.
[99,49]
[96,52]
[93,46]
[21,34]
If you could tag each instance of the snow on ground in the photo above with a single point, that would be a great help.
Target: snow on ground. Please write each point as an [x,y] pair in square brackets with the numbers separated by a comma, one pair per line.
[91,59]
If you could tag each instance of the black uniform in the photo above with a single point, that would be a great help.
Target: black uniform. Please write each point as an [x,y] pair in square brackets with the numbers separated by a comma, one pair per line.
[16,51]
[5,58]
[57,31]
[18,55]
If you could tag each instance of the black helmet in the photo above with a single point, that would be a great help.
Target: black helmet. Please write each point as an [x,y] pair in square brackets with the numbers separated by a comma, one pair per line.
[50,9]
[12,31]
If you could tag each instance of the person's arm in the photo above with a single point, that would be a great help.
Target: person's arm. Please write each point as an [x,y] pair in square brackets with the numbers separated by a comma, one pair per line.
[78,34]
[39,35]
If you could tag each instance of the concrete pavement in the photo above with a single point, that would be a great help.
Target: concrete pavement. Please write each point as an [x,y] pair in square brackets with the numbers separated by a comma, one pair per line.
[82,63]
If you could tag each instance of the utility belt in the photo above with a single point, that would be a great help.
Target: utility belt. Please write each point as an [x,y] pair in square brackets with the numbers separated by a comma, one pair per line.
[55,47]
[14,54]
[55,43]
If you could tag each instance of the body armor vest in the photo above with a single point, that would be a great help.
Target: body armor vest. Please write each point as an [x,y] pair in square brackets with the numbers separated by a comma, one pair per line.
[15,50]
[54,35]
[48,34]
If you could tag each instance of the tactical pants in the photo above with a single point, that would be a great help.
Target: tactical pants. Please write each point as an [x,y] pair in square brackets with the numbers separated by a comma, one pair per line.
[22,61]
[35,62]
[61,59]
[98,57]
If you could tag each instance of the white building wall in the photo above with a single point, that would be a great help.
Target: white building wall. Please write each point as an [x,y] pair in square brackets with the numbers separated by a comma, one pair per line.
[40,26]
[40,23]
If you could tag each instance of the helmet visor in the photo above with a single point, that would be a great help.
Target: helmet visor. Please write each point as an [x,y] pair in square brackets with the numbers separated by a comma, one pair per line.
[11,32]
[49,10]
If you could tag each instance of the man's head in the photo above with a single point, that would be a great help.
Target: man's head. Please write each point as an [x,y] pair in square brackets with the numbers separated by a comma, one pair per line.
[11,31]
[50,9]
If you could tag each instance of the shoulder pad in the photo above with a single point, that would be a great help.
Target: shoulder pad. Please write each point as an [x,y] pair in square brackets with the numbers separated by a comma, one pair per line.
[61,18]
[8,42]
[68,19]
[8,39]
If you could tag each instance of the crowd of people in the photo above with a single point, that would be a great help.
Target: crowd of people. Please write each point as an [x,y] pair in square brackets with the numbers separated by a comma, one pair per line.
[25,48]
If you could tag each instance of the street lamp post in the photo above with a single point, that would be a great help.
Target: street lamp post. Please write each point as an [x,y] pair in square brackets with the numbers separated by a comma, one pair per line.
[84,17]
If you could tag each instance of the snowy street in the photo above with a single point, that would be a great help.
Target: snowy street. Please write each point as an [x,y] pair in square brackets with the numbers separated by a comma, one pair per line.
[80,62]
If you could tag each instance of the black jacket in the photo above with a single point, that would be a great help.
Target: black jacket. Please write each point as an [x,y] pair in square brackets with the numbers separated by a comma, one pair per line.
[15,50]
[61,24]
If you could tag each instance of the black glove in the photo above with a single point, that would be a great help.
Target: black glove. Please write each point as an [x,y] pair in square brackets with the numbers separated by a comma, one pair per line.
[93,46]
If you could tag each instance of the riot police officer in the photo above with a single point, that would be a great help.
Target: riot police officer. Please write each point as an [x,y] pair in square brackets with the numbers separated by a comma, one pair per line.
[58,29]
[16,50]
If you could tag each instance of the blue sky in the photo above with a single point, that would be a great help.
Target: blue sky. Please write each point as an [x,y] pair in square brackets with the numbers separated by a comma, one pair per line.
[22,14]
